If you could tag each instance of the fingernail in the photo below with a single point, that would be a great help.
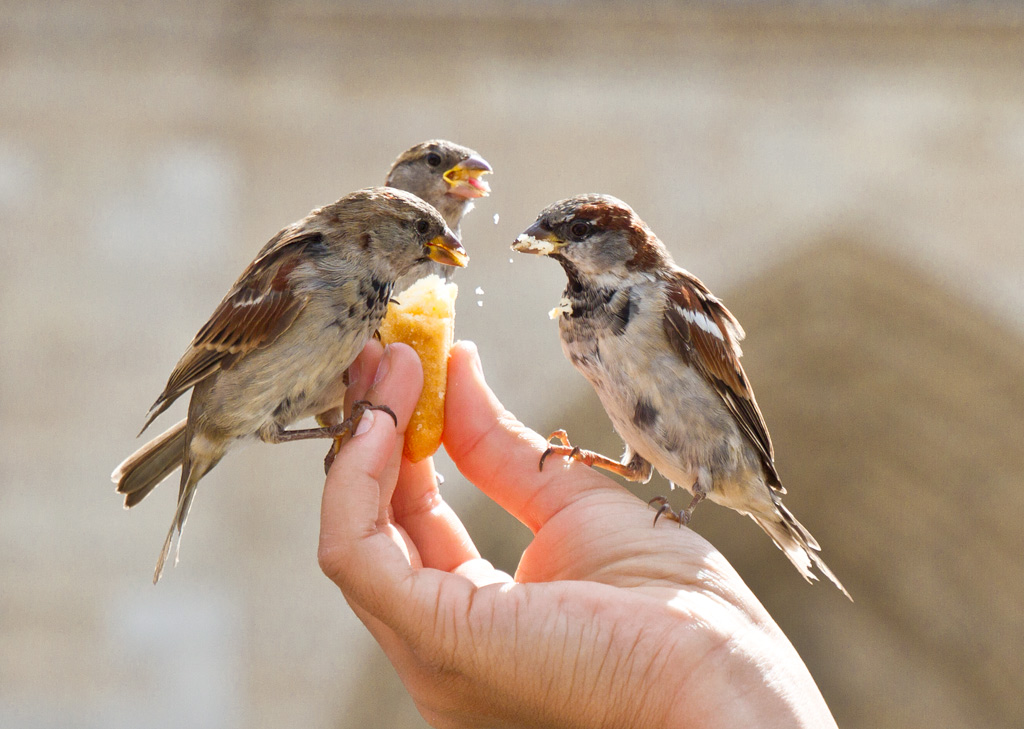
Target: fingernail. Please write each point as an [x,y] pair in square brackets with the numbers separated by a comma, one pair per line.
[476,355]
[383,367]
[355,370]
[365,423]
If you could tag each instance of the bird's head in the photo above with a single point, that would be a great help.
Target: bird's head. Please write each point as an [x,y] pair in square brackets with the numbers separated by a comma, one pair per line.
[445,174]
[594,237]
[399,228]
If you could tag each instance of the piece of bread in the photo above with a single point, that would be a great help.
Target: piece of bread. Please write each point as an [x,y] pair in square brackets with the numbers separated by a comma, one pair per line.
[424,318]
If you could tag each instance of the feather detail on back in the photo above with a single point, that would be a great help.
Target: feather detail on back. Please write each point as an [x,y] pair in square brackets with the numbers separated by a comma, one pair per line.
[707,335]
[260,306]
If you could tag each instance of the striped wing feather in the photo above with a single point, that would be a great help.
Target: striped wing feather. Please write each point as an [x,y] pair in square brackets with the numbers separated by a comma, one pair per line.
[258,308]
[707,335]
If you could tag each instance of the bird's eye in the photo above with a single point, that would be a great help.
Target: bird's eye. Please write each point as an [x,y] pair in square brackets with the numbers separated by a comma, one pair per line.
[433,159]
[422,226]
[579,230]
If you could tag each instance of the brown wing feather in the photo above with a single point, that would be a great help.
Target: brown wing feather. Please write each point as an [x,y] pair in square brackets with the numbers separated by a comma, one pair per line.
[257,309]
[693,310]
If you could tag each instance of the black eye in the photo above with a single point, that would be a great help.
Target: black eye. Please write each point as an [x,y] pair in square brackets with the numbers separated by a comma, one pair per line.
[579,230]
[422,226]
[433,159]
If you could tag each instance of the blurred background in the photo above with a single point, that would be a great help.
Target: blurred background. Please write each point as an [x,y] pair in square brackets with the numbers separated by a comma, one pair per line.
[847,175]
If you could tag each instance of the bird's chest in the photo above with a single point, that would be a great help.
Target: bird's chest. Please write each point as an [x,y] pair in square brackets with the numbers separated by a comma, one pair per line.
[594,330]
[662,408]
[340,326]
[302,374]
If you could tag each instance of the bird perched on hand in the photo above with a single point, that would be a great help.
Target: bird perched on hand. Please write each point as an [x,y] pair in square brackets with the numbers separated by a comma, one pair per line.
[663,355]
[275,349]
[446,175]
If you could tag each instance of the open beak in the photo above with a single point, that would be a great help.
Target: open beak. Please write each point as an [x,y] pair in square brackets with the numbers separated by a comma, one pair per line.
[447,249]
[539,240]
[464,178]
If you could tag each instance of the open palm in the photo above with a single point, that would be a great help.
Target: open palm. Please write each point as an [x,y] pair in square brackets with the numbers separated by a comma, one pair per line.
[608,621]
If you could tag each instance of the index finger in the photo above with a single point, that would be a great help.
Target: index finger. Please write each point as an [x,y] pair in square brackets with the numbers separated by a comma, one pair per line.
[501,455]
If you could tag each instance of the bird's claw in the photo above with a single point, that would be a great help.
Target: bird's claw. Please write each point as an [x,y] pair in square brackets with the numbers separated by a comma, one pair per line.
[681,517]
[665,509]
[565,450]
[348,426]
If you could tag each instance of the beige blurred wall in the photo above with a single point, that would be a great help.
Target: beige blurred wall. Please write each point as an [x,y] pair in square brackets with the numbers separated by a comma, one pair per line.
[843,177]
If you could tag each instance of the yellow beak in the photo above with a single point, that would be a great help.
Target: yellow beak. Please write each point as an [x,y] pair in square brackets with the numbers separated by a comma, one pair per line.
[464,178]
[447,249]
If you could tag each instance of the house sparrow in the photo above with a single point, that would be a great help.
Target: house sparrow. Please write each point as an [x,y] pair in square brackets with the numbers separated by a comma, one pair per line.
[275,349]
[446,175]
[663,355]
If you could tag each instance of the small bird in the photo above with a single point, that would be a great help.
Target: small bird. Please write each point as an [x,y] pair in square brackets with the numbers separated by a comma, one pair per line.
[663,354]
[446,175]
[276,348]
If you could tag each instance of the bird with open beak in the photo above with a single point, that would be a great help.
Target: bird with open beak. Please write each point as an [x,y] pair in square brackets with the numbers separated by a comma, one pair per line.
[663,354]
[449,177]
[276,348]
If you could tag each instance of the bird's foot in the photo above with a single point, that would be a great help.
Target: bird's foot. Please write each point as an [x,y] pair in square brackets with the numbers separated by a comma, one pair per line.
[348,426]
[666,510]
[589,458]
[681,517]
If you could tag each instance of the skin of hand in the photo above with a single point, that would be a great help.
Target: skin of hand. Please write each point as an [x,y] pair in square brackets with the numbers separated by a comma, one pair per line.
[608,622]
[275,349]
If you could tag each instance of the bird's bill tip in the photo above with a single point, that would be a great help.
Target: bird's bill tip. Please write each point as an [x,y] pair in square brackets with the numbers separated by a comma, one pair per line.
[447,249]
[464,178]
[536,239]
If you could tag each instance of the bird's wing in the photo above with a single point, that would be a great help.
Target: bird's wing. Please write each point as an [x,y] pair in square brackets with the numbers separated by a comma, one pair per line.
[258,308]
[707,336]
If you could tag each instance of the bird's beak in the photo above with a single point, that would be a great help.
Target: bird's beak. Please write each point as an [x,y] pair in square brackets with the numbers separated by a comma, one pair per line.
[464,178]
[447,249]
[537,239]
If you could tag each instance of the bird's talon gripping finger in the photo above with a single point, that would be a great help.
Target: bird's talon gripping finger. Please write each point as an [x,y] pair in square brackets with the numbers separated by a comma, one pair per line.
[348,426]
[563,438]
[361,406]
[664,508]
[563,451]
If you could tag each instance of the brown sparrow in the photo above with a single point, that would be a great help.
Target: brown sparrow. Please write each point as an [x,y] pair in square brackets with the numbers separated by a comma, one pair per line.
[663,355]
[275,349]
[446,175]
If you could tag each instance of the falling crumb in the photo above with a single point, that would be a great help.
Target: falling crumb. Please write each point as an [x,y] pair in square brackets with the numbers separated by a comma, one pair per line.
[495,218]
[479,303]
[510,260]
[479,291]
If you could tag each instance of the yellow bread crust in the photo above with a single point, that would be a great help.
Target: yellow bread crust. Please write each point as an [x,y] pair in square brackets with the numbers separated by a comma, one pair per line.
[424,318]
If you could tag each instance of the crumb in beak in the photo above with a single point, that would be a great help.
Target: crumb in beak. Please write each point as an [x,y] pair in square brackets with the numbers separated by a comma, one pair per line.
[564,307]
[528,244]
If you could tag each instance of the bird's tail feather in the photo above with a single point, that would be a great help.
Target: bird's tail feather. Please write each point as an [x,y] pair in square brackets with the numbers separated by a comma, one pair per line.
[143,470]
[796,543]
[191,472]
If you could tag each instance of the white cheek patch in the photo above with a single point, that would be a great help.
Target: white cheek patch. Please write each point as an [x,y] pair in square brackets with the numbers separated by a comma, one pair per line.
[529,244]
[564,307]
[700,320]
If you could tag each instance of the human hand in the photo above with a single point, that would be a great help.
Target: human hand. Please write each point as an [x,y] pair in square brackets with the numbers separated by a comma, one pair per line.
[609,622]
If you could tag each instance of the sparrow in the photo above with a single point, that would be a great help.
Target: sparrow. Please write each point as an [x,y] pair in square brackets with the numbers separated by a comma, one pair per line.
[663,354]
[276,348]
[446,175]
